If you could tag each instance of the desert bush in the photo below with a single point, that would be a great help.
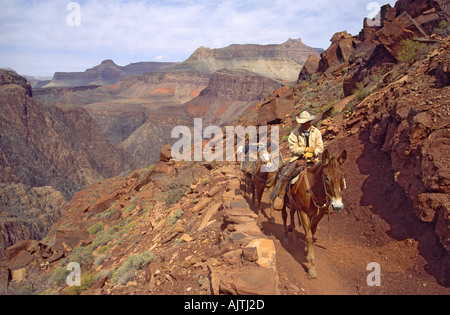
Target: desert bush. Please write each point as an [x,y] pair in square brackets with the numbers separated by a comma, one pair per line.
[101,259]
[360,92]
[82,255]
[443,29]
[314,77]
[59,276]
[87,280]
[133,264]
[174,217]
[175,192]
[412,51]
[94,229]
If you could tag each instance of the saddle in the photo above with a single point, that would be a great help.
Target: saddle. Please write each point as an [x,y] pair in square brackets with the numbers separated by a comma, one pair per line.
[290,173]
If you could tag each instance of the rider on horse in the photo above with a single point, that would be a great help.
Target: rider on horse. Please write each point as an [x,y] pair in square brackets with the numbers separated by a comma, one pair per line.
[305,144]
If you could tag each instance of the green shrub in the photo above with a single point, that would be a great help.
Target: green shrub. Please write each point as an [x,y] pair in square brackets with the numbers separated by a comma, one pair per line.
[130,208]
[133,264]
[87,280]
[174,217]
[412,51]
[94,229]
[314,77]
[443,29]
[360,92]
[59,276]
[82,255]
[174,195]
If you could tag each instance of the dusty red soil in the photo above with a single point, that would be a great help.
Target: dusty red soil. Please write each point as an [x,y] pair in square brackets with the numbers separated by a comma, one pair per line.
[377,225]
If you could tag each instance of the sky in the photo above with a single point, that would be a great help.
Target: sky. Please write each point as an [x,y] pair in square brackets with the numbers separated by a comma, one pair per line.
[41,37]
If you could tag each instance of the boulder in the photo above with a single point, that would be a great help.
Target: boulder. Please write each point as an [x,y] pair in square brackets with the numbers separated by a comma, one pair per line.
[166,153]
[377,56]
[414,8]
[69,238]
[342,47]
[276,106]
[20,261]
[16,249]
[267,255]
[209,214]
[18,275]
[310,67]
[253,281]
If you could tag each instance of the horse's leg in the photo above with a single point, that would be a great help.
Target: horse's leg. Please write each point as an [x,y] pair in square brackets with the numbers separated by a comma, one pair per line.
[247,185]
[253,190]
[259,192]
[284,215]
[272,213]
[292,225]
[250,185]
[272,207]
[309,244]
[315,224]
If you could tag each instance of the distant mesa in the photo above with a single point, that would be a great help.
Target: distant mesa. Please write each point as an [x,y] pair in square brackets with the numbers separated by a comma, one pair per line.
[281,62]
[108,72]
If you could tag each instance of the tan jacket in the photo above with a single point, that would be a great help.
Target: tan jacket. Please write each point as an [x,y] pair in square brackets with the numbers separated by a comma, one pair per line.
[297,142]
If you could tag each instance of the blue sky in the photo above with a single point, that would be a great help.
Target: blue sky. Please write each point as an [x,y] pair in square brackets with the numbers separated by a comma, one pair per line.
[36,38]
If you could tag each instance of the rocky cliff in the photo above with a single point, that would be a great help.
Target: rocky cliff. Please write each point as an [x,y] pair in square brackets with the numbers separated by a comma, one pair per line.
[229,95]
[43,145]
[49,146]
[27,213]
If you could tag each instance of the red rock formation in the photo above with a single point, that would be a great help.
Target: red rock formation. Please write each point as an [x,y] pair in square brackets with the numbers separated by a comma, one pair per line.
[342,46]
[275,107]
[311,66]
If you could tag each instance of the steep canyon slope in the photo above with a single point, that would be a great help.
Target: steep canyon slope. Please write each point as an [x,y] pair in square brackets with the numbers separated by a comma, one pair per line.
[43,145]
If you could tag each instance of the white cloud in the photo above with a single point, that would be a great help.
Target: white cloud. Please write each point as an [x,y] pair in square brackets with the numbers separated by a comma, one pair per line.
[131,31]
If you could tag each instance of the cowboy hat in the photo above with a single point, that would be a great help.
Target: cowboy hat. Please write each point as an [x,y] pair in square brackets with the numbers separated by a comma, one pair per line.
[305,117]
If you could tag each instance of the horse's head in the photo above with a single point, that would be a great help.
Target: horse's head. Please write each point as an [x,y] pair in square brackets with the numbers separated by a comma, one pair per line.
[334,177]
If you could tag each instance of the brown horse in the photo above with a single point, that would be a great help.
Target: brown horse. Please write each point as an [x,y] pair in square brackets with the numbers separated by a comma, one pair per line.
[318,189]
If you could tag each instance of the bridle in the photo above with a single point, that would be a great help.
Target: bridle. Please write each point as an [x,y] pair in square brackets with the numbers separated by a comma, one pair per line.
[313,197]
